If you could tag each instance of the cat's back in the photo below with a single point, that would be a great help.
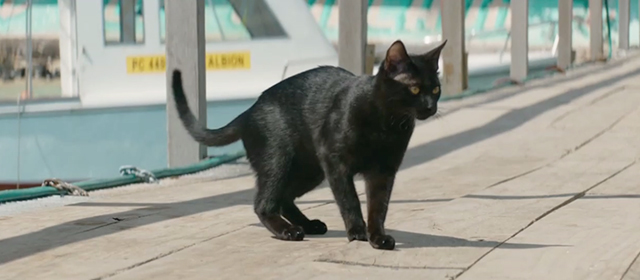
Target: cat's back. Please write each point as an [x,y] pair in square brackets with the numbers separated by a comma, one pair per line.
[321,80]
[311,94]
[325,79]
[294,105]
[294,96]
[291,97]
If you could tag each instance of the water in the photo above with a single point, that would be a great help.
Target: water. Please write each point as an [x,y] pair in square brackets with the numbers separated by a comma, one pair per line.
[94,143]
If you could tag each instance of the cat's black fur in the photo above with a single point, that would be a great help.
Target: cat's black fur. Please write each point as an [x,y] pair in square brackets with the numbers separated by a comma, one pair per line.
[327,123]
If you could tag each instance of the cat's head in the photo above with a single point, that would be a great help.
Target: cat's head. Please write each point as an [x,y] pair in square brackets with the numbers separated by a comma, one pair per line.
[411,82]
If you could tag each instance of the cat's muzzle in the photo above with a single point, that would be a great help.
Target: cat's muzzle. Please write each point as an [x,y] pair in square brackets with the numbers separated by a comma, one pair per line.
[423,114]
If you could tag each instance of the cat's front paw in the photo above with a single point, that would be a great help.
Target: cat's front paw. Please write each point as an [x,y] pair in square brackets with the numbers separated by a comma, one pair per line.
[357,233]
[294,233]
[382,242]
[315,227]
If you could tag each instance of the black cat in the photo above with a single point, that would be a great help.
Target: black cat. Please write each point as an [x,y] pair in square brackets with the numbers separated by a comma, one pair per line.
[327,123]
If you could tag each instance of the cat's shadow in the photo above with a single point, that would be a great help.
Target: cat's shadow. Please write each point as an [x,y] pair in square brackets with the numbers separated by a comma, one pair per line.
[406,240]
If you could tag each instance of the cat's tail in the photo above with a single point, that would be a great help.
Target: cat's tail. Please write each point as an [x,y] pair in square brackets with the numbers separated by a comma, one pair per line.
[209,137]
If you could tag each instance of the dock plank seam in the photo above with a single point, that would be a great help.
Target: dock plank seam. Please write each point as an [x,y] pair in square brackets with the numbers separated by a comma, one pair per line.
[602,97]
[138,264]
[554,209]
[626,271]
[385,266]
[564,155]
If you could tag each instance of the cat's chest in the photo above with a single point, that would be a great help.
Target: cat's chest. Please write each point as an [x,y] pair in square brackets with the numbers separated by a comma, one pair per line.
[381,149]
[387,137]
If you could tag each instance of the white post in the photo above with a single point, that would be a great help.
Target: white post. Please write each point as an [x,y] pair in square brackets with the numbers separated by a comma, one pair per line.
[519,40]
[67,41]
[127,21]
[29,54]
[624,9]
[453,54]
[185,44]
[352,35]
[151,26]
[595,30]
[565,30]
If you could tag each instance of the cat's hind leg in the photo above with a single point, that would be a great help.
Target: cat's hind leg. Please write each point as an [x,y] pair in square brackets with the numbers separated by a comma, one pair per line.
[305,176]
[269,201]
[292,213]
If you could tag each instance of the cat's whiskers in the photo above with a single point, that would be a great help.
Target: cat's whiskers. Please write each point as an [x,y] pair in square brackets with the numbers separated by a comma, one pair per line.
[438,115]
[406,120]
[443,111]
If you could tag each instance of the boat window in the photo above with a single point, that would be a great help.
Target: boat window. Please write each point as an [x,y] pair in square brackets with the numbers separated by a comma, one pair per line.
[234,20]
[123,21]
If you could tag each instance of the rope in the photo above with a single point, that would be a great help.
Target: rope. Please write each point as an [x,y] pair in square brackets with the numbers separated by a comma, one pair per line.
[64,187]
[138,173]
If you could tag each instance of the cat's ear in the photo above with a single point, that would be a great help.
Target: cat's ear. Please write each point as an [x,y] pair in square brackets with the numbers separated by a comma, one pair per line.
[397,59]
[433,55]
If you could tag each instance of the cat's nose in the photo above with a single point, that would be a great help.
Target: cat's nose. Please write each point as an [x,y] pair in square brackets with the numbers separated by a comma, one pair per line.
[430,103]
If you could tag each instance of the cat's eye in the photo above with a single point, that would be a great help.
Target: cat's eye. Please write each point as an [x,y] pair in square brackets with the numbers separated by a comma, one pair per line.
[436,90]
[414,90]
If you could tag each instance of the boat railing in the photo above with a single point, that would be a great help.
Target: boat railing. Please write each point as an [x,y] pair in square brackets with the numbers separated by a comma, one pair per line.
[553,24]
